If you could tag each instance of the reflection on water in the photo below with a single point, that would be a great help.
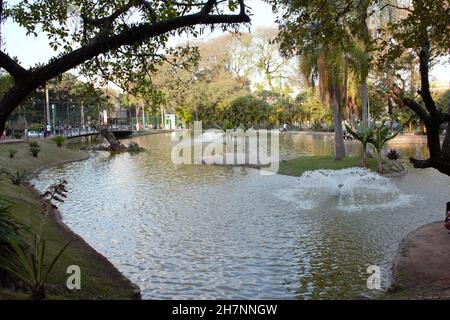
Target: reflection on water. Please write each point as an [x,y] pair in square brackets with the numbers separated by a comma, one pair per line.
[194,231]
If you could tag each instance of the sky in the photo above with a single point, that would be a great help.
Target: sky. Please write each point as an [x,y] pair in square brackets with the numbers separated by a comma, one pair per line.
[30,50]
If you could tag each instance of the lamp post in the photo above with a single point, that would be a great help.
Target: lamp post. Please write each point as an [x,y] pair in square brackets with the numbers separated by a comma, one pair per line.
[53,119]
[82,116]
[47,109]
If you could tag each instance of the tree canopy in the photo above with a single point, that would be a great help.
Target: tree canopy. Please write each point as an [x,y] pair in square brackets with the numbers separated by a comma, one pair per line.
[116,38]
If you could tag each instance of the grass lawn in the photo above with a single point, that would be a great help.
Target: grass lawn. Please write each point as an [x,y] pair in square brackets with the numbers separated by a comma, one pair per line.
[296,167]
[99,279]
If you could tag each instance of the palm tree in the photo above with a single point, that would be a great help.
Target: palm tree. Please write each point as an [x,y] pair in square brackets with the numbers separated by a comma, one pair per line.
[328,65]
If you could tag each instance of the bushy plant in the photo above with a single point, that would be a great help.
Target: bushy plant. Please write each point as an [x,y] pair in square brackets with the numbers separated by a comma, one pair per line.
[393,154]
[18,177]
[27,264]
[10,227]
[33,144]
[363,134]
[18,135]
[59,140]
[34,148]
[380,136]
[36,127]
[56,193]
[12,152]
[134,147]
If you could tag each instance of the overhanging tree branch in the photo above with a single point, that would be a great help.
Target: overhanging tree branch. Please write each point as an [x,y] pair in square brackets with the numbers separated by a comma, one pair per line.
[131,36]
[12,66]
[28,81]
[208,7]
[417,108]
[107,21]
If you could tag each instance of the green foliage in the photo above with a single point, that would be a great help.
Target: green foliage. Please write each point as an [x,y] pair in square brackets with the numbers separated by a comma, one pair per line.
[59,140]
[12,152]
[9,228]
[426,21]
[227,124]
[10,236]
[247,111]
[6,82]
[443,101]
[33,144]
[18,135]
[134,147]
[296,167]
[27,264]
[36,127]
[362,133]
[378,100]
[60,22]
[381,135]
[17,177]
[34,148]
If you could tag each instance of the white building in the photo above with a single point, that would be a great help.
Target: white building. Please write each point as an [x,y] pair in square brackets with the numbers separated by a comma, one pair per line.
[169,121]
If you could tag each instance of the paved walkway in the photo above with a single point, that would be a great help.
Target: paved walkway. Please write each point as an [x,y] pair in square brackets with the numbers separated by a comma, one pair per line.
[9,141]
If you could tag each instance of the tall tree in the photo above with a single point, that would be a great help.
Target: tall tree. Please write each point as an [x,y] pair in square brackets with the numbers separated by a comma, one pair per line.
[424,30]
[325,31]
[115,37]
[329,66]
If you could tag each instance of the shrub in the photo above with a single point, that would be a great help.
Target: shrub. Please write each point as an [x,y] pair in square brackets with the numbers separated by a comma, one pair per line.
[393,154]
[27,264]
[18,135]
[59,140]
[56,192]
[18,177]
[9,234]
[380,136]
[362,133]
[134,147]
[12,152]
[36,127]
[34,148]
[9,228]
[33,144]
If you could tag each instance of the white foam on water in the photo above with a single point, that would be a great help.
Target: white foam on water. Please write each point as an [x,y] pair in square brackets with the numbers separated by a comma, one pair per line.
[350,190]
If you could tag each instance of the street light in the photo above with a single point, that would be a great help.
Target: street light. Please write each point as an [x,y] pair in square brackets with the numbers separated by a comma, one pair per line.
[54,118]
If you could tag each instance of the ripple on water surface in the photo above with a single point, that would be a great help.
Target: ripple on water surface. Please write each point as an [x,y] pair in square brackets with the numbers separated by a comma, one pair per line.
[214,232]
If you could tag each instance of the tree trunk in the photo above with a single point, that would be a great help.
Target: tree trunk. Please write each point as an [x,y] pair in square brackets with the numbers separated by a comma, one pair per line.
[433,140]
[365,165]
[114,144]
[446,143]
[364,107]
[379,162]
[346,106]
[339,147]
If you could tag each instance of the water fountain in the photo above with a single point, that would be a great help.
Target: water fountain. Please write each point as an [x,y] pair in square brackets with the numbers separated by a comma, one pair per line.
[352,189]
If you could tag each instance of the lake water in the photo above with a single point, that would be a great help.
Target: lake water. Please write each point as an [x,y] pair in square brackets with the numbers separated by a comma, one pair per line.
[209,232]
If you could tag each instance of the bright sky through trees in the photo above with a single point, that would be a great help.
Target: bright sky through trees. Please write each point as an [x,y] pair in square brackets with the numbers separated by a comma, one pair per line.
[32,50]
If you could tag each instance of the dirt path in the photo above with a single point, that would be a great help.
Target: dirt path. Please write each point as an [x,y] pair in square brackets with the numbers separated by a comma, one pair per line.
[421,268]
